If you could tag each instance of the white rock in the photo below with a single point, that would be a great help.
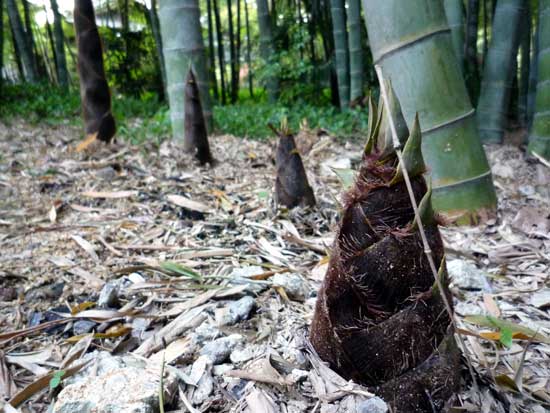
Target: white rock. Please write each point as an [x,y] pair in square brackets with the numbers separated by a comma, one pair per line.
[374,405]
[467,276]
[128,389]
[541,299]
[241,355]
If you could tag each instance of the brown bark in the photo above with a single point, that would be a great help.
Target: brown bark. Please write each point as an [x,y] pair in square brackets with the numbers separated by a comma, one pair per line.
[291,185]
[94,90]
[196,136]
[379,319]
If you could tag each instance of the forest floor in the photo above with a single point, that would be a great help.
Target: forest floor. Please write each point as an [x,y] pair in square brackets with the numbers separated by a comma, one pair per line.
[204,251]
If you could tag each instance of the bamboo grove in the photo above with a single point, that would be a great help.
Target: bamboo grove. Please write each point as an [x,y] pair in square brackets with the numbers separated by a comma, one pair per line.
[474,70]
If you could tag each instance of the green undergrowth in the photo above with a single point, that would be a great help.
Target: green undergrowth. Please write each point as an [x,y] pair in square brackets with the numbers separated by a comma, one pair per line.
[145,118]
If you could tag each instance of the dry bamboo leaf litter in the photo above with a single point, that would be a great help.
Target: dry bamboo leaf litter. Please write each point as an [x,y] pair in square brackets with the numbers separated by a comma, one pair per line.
[116,200]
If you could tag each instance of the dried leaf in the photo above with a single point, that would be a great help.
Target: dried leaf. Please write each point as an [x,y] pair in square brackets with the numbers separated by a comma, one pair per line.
[183,202]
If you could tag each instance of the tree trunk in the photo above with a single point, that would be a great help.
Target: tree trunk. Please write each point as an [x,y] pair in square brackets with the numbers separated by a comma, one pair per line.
[52,45]
[267,49]
[221,58]
[454,10]
[341,52]
[1,45]
[497,74]
[94,90]
[418,57]
[471,72]
[485,32]
[238,50]
[155,29]
[533,76]
[29,37]
[60,58]
[525,66]
[248,47]
[212,51]
[233,63]
[539,137]
[17,54]
[183,50]
[26,54]
[355,51]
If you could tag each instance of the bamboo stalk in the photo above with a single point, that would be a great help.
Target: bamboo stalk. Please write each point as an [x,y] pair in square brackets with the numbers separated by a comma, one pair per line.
[539,138]
[355,50]
[498,72]
[417,54]
[183,48]
[341,51]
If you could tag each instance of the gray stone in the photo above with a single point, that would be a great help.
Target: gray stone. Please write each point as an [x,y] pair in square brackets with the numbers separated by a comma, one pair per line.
[205,332]
[236,311]
[83,327]
[108,297]
[467,276]
[116,384]
[293,284]
[374,405]
[219,350]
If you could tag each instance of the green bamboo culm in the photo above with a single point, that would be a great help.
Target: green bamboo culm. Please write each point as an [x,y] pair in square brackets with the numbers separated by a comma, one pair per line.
[417,55]
[19,37]
[492,107]
[539,137]
[183,48]
[355,50]
[454,10]
[267,49]
[341,51]
[525,66]
[62,73]
[471,69]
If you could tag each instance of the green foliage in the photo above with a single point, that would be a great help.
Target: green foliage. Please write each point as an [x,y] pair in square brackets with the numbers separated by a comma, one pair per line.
[145,118]
[250,120]
[130,62]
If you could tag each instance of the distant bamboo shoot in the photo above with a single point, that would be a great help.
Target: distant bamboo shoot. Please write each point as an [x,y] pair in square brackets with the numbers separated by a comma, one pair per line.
[94,90]
[196,135]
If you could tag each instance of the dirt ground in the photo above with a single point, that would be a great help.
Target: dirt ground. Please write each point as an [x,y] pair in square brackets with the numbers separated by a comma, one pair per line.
[180,238]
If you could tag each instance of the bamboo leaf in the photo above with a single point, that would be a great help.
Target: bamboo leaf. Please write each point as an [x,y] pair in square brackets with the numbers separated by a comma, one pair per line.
[506,327]
[179,269]
[56,379]
[345,175]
